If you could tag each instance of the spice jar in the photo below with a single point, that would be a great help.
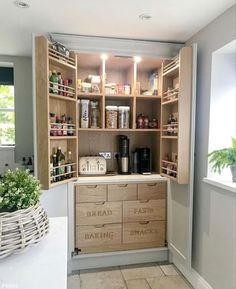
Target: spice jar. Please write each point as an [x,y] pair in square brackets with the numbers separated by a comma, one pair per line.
[145,122]
[139,121]
[111,116]
[124,116]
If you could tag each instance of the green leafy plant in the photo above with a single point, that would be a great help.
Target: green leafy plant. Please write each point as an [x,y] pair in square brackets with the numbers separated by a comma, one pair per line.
[223,158]
[18,190]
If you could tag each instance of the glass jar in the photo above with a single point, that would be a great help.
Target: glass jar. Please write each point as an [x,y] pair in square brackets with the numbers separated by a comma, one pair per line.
[124,116]
[111,116]
[94,114]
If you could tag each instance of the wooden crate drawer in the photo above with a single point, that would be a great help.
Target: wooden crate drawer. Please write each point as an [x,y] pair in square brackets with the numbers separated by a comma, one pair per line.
[122,192]
[91,193]
[145,232]
[144,210]
[98,213]
[99,235]
[152,191]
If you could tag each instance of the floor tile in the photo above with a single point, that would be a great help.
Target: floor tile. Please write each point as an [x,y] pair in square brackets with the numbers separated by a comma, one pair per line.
[168,282]
[102,279]
[137,284]
[141,271]
[73,282]
[169,270]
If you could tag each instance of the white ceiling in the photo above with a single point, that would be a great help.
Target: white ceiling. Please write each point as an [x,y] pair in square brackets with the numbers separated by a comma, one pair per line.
[172,20]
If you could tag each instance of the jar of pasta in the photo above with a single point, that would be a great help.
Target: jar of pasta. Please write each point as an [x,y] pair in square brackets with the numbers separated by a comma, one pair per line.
[111,116]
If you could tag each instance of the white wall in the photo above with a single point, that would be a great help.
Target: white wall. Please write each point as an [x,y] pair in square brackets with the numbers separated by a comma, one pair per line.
[214,235]
[54,201]
[23,106]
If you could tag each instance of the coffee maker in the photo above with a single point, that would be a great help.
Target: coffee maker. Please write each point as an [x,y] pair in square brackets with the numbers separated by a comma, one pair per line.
[143,160]
[123,159]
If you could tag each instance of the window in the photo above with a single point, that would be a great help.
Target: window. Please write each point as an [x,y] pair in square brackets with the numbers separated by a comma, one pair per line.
[223,103]
[7,107]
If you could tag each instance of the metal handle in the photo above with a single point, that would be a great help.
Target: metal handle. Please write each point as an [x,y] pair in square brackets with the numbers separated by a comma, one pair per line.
[99,203]
[92,186]
[99,226]
[152,185]
[144,223]
[123,185]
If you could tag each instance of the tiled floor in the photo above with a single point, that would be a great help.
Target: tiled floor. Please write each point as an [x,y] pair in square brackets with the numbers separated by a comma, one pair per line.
[143,276]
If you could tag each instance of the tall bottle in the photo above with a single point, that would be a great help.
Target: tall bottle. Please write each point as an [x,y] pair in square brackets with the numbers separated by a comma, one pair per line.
[54,84]
[60,162]
[69,167]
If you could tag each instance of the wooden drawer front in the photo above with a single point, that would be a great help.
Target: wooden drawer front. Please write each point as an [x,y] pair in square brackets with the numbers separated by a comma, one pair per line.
[153,231]
[98,213]
[152,191]
[144,210]
[122,192]
[88,236]
[91,193]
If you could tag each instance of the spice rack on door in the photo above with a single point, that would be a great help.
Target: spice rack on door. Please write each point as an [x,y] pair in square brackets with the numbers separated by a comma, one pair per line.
[59,99]
[176,116]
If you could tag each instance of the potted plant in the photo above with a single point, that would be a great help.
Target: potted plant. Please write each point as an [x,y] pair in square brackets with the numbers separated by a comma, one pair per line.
[22,218]
[223,158]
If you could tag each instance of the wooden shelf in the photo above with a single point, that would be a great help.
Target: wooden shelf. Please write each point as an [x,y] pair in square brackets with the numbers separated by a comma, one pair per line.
[172,71]
[61,97]
[172,101]
[63,137]
[148,97]
[119,96]
[60,63]
[120,129]
[169,137]
[90,95]
[62,182]
[168,176]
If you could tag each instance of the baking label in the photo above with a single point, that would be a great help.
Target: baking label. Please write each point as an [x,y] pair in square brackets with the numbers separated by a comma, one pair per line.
[138,211]
[99,213]
[100,236]
[143,232]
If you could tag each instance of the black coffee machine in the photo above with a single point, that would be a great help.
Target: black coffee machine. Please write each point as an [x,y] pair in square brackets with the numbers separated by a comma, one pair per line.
[122,157]
[142,160]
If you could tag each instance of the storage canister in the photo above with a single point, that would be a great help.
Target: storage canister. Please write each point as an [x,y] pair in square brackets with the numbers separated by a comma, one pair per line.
[111,116]
[124,116]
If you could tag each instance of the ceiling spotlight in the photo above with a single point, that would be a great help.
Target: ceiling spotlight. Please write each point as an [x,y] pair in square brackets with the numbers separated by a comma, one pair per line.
[145,16]
[21,4]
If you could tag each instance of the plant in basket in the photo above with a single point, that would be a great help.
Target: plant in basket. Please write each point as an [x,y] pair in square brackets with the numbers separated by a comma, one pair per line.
[23,221]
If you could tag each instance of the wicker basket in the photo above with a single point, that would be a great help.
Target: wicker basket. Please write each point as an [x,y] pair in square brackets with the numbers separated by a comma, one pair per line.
[21,229]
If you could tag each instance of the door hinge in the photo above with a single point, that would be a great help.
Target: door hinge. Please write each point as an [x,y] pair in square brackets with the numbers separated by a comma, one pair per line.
[166,244]
[75,252]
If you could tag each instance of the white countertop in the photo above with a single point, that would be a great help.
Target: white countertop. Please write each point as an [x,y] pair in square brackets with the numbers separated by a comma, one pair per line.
[43,266]
[106,179]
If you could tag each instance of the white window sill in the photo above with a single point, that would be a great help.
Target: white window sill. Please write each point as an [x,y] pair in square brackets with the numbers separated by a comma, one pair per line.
[7,148]
[226,185]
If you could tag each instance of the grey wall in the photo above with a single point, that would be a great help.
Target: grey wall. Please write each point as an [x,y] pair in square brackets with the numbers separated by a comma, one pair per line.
[23,105]
[214,235]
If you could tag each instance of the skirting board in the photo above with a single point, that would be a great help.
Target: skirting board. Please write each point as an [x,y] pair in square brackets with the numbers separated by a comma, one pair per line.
[196,280]
[101,260]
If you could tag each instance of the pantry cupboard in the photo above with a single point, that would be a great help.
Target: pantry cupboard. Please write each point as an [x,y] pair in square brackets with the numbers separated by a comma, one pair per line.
[169,104]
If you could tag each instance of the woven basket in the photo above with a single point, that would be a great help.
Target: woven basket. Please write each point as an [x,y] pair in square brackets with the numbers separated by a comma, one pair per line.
[21,229]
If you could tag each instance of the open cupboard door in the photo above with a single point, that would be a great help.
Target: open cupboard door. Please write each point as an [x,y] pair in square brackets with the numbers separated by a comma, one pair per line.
[181,145]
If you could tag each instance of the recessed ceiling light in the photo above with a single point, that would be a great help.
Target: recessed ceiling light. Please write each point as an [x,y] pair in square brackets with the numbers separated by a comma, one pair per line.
[145,16]
[21,4]
[137,59]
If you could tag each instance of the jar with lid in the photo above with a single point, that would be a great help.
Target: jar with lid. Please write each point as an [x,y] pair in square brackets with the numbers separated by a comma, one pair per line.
[94,114]
[111,116]
[124,116]
[126,88]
